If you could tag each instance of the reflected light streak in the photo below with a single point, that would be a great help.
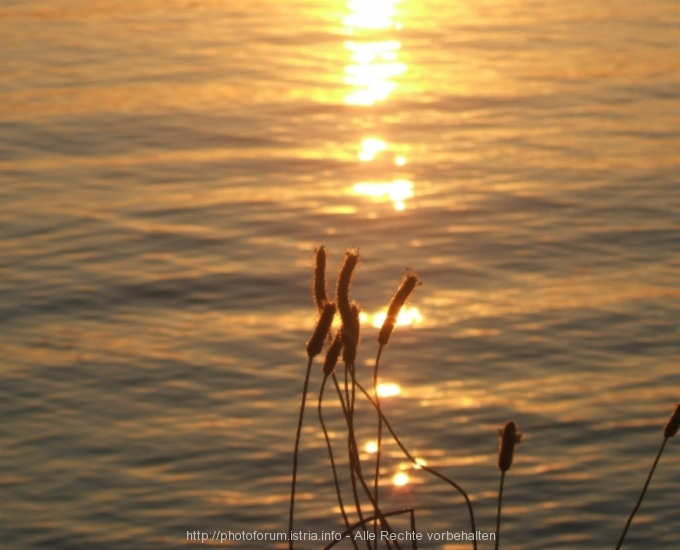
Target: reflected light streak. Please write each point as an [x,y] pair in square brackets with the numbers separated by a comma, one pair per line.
[375,62]
[407,316]
[374,65]
[396,191]
[388,389]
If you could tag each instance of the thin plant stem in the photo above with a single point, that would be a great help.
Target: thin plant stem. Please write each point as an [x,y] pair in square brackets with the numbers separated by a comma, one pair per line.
[342,401]
[498,514]
[642,494]
[330,454]
[373,518]
[426,468]
[376,481]
[351,445]
[356,465]
[347,383]
[295,453]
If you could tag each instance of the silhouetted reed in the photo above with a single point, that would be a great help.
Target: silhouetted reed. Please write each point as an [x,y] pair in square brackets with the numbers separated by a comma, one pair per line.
[670,429]
[328,369]
[508,437]
[345,344]
[408,283]
[314,347]
[342,289]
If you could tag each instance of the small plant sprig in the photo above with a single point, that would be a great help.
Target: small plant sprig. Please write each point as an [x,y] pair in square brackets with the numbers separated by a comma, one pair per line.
[670,429]
[508,436]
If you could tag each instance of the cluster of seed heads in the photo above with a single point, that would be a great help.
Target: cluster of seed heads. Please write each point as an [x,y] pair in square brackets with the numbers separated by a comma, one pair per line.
[346,340]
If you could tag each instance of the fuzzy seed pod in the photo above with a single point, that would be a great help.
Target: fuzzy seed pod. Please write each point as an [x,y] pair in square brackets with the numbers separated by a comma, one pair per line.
[673,423]
[320,296]
[409,282]
[344,280]
[315,344]
[508,436]
[332,354]
[350,335]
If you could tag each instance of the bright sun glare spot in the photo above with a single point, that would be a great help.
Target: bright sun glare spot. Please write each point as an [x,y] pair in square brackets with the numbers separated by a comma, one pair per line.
[407,316]
[371,14]
[400,479]
[388,389]
[396,191]
[419,463]
[399,161]
[371,147]
[371,447]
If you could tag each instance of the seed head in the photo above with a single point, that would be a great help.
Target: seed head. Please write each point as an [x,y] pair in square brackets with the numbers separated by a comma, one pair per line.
[332,354]
[409,282]
[315,344]
[344,280]
[673,423]
[350,335]
[320,296]
[508,437]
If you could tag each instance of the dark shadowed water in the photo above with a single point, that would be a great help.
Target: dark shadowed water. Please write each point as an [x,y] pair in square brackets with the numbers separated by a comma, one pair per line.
[167,168]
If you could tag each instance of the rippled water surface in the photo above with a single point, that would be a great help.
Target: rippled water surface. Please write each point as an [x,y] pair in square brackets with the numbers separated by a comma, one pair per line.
[167,169]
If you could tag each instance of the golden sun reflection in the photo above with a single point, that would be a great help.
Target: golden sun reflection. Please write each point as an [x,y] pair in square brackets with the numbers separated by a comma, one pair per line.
[371,147]
[370,75]
[371,14]
[396,191]
[388,389]
[400,479]
[407,316]
[420,462]
[371,447]
[374,64]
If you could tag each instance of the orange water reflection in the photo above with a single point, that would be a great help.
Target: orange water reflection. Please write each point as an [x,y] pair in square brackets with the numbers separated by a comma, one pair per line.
[388,389]
[396,191]
[408,315]
[374,65]
[374,62]
[400,479]
[371,14]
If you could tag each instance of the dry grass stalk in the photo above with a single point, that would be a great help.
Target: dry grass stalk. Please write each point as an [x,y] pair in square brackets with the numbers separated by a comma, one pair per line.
[333,354]
[508,436]
[670,429]
[344,281]
[323,325]
[350,334]
[409,282]
[673,423]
